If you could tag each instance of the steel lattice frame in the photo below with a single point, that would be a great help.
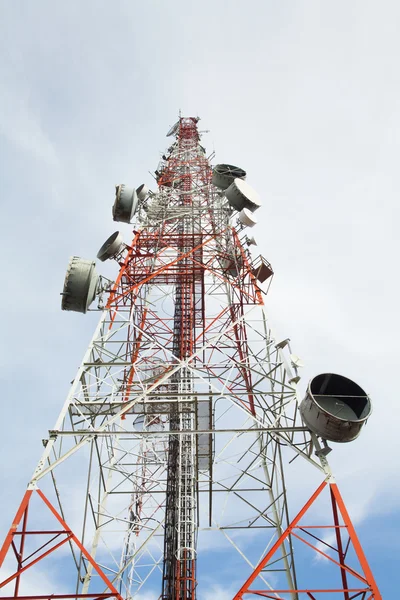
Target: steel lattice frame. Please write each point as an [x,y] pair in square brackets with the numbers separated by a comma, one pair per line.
[182,414]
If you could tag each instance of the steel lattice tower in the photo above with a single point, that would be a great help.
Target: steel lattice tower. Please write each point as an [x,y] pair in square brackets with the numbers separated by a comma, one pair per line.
[183,417]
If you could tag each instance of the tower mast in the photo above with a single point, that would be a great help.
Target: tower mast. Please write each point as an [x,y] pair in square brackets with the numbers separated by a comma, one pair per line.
[182,170]
[183,424]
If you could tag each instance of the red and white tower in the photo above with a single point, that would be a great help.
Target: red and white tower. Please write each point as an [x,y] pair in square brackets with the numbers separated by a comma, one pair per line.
[183,421]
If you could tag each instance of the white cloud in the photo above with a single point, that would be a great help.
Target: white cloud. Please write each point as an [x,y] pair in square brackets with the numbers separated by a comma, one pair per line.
[224,592]
[22,127]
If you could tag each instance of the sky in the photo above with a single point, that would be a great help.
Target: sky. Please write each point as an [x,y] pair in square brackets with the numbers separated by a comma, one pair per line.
[303,95]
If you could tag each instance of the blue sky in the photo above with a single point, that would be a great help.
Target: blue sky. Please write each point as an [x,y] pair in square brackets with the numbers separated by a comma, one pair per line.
[305,97]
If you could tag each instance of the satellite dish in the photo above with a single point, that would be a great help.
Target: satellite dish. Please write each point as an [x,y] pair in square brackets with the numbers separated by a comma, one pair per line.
[142,191]
[335,407]
[125,203]
[111,247]
[251,241]
[247,218]
[296,362]
[173,129]
[240,195]
[80,285]
[224,175]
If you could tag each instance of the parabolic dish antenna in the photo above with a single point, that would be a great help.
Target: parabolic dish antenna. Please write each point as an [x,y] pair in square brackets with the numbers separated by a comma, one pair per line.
[142,192]
[173,129]
[80,285]
[241,195]
[335,407]
[125,203]
[251,241]
[111,247]
[247,218]
[224,175]
[296,360]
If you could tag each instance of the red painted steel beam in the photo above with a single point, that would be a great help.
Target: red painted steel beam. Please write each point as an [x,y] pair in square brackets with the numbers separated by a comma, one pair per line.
[368,578]
[272,593]
[14,526]
[355,541]
[339,545]
[62,596]
[34,562]
[88,557]
[245,587]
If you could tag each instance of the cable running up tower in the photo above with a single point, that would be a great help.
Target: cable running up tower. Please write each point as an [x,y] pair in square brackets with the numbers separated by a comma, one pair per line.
[183,429]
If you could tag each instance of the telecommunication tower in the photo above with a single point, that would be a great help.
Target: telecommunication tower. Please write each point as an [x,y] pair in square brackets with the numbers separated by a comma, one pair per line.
[183,421]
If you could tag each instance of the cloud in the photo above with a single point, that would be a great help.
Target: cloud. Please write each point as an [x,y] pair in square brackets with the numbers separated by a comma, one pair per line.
[22,128]
[224,592]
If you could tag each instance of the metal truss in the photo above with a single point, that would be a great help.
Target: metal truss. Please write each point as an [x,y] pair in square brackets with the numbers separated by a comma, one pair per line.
[354,584]
[182,415]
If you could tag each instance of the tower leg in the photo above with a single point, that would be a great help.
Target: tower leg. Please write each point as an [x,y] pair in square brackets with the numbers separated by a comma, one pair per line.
[339,545]
[364,578]
[356,543]
[17,519]
[45,548]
